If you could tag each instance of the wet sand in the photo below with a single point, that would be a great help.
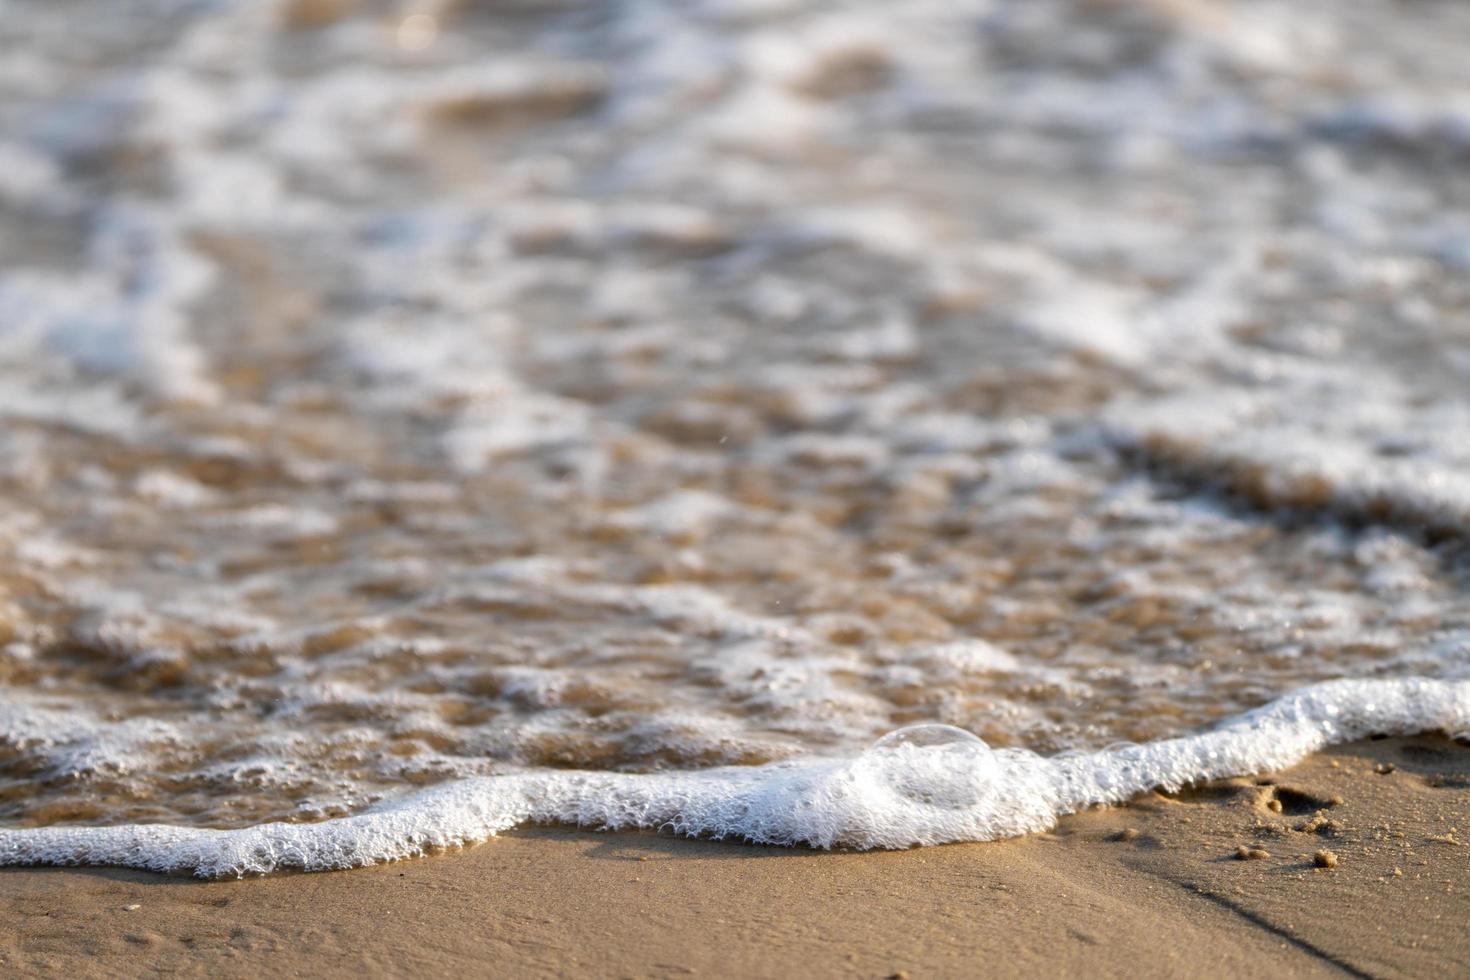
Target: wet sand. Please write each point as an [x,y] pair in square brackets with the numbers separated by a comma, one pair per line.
[1155,888]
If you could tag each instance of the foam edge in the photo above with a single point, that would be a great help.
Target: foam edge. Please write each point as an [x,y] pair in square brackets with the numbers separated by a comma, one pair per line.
[921,786]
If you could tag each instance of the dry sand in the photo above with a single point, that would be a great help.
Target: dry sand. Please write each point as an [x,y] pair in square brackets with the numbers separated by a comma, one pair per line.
[1156,888]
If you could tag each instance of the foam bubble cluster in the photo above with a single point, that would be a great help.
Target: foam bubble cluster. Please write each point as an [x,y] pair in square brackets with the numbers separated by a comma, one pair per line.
[917,786]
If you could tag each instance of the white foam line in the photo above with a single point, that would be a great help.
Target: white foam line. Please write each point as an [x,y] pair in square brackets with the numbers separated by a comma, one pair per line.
[927,785]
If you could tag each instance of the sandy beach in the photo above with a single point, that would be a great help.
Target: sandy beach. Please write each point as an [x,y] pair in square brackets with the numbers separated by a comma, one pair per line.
[1155,888]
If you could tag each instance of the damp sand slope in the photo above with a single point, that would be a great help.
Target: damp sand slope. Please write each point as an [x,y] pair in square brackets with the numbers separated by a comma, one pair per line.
[1152,888]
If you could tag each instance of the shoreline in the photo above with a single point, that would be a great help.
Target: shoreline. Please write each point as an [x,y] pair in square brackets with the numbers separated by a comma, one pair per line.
[921,785]
[1154,885]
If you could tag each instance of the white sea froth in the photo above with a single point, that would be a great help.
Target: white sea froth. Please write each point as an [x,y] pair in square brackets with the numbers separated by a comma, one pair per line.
[621,414]
[919,786]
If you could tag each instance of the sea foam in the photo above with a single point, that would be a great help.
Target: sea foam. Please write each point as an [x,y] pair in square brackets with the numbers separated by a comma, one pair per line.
[701,389]
[922,785]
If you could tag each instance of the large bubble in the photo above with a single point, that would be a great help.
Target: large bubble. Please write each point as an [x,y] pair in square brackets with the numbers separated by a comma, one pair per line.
[932,765]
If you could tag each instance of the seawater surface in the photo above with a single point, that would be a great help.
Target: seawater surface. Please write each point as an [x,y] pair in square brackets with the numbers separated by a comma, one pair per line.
[418,419]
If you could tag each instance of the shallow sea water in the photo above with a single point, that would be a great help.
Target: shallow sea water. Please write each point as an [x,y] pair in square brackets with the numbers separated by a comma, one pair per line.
[626,413]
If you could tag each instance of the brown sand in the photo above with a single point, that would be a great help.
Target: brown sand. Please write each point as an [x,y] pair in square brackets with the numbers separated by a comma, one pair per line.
[1155,888]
